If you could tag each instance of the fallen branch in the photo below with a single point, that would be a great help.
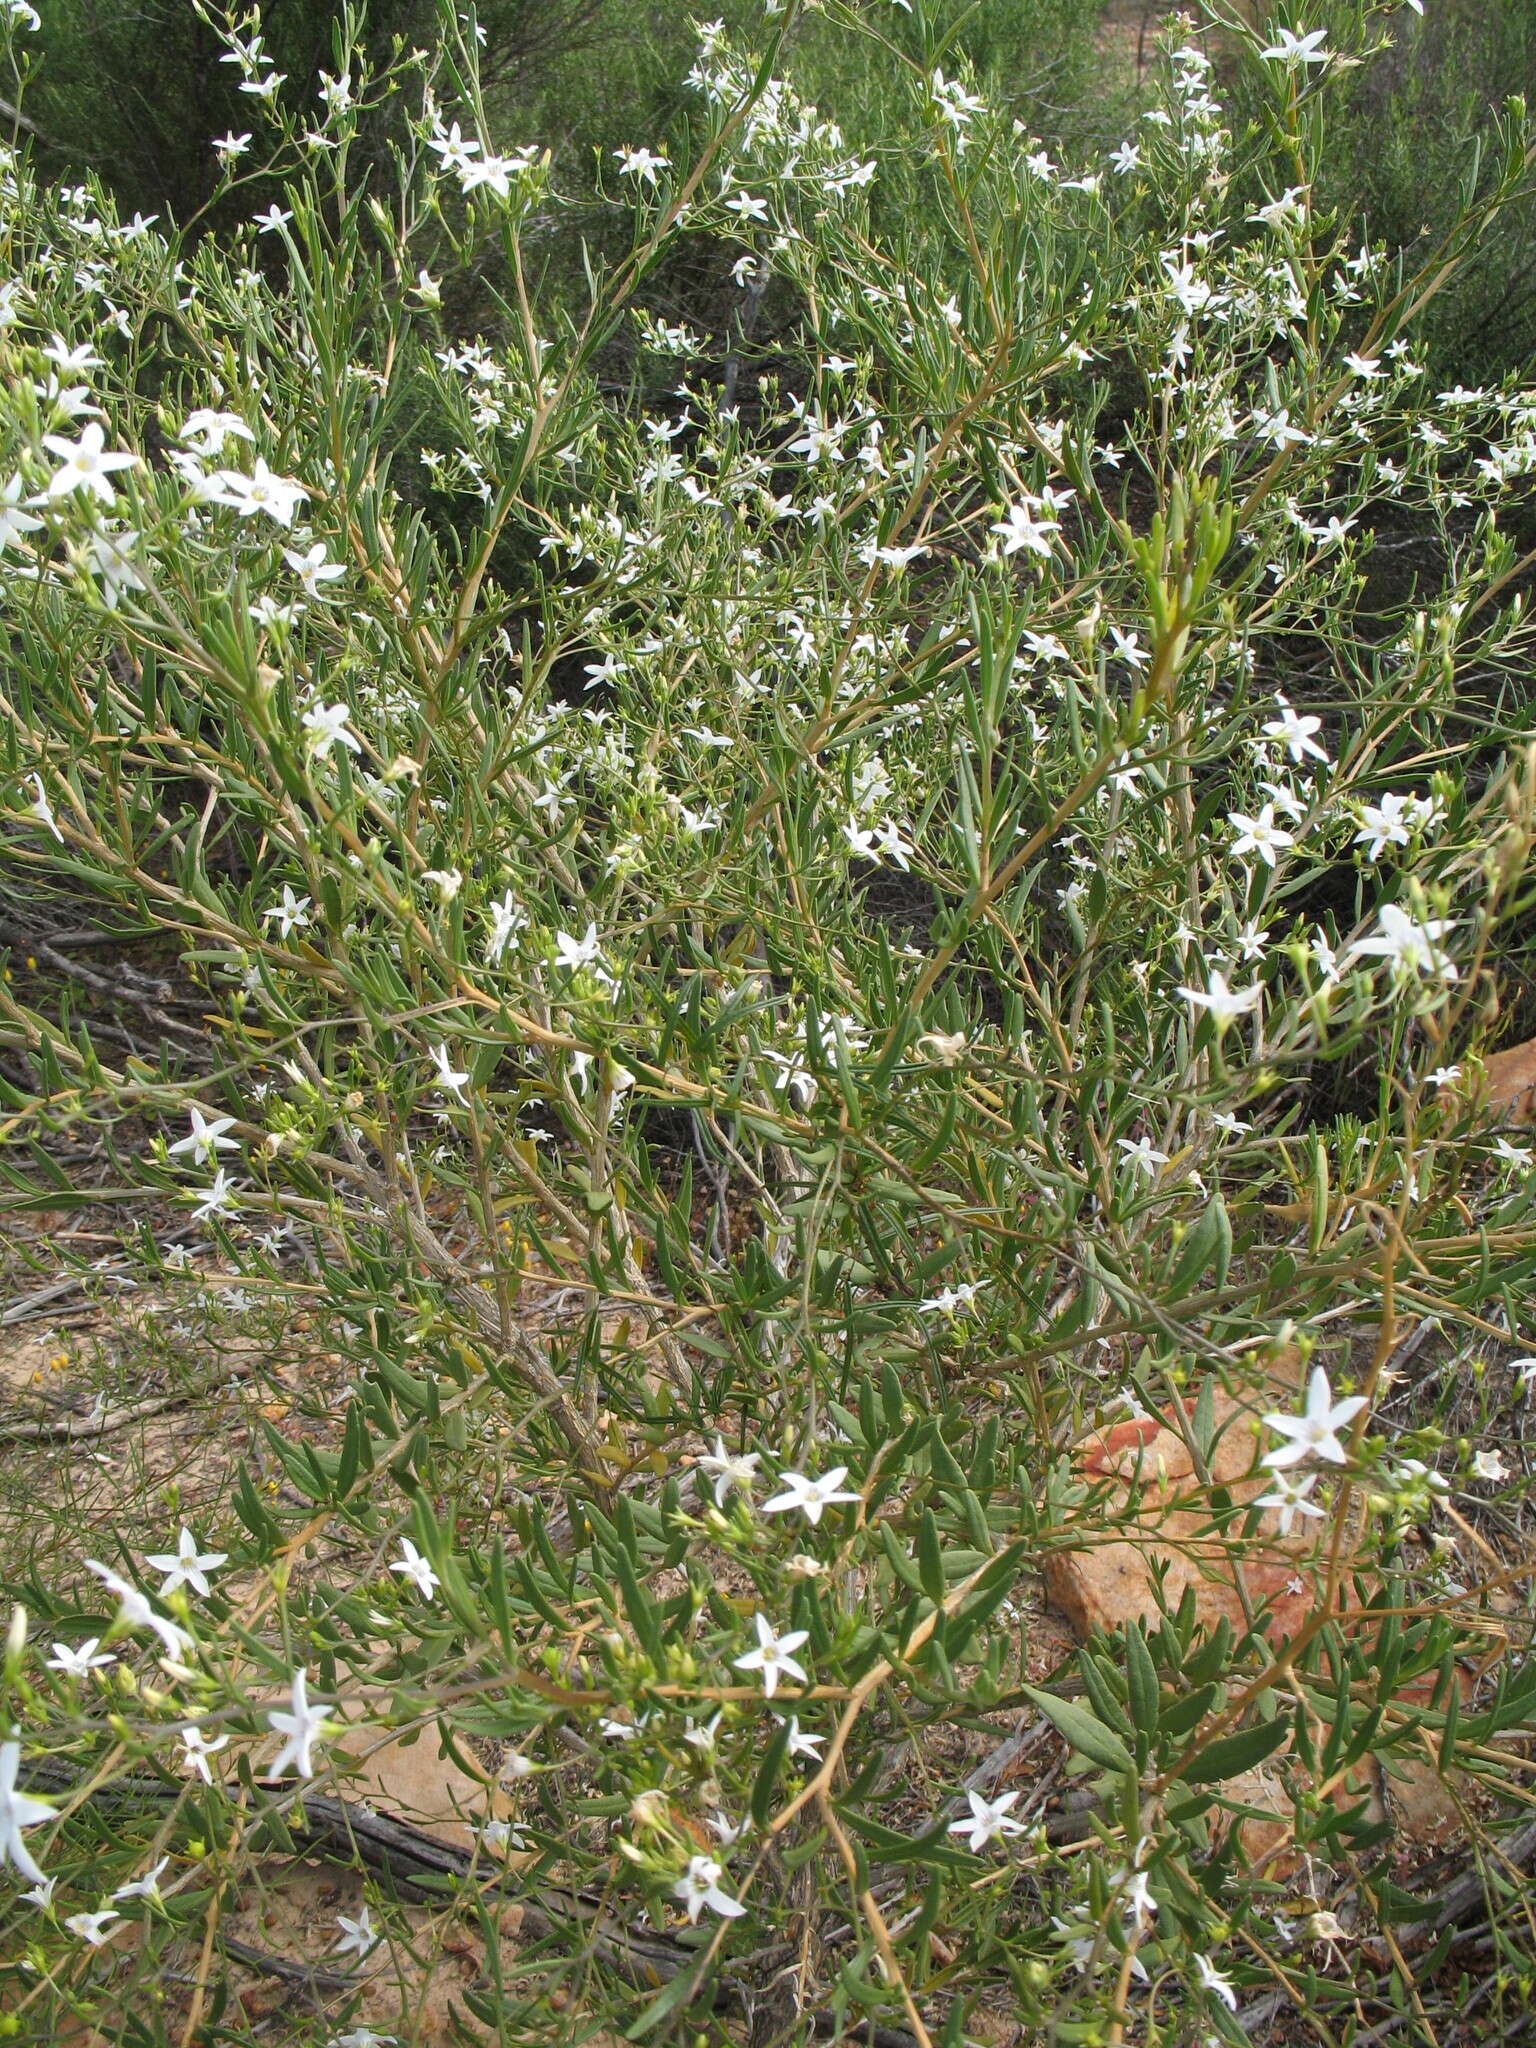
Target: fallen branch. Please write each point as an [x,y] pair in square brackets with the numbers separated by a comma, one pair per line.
[417,1865]
[1456,1903]
[303,1974]
[74,1428]
[124,985]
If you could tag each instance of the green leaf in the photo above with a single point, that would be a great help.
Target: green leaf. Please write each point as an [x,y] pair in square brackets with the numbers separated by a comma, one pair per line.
[1141,1681]
[253,1514]
[666,2001]
[945,1469]
[768,1775]
[1231,1755]
[1084,1731]
[1202,1244]
[1187,1711]
[898,1559]
[638,1604]
[891,1398]
[802,1852]
[930,1558]
[932,1850]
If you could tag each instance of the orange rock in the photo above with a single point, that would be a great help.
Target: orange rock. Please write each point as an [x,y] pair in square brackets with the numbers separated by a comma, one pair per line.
[1161,1540]
[1163,1533]
[1509,1082]
[1268,1836]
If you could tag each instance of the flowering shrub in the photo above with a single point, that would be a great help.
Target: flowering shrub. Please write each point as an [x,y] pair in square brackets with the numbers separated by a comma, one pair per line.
[938,902]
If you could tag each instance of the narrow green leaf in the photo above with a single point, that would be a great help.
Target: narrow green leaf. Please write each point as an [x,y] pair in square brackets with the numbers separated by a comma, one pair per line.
[930,1558]
[1231,1755]
[1084,1731]
[666,2002]
[769,1772]
[1141,1682]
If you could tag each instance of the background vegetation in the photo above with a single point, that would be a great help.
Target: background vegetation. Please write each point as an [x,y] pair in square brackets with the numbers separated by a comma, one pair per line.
[137,95]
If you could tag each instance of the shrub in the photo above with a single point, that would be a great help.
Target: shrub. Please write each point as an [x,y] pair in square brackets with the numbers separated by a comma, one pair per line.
[531,849]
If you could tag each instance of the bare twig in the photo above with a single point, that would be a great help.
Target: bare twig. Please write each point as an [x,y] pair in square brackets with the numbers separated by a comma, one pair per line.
[75,1427]
[304,1974]
[417,1864]
[123,985]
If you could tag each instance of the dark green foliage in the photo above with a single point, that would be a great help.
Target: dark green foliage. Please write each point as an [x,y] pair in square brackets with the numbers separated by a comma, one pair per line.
[138,94]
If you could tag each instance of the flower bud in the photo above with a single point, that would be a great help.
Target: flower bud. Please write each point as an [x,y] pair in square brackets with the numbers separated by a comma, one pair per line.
[649,1809]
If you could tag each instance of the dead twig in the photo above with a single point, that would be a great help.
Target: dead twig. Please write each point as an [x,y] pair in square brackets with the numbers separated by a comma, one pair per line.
[1456,1903]
[124,985]
[417,1865]
[303,1974]
[74,1428]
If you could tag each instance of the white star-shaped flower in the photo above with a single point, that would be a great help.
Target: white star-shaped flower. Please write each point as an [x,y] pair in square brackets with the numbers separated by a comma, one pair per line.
[82,1660]
[1288,1496]
[219,1198]
[1315,1432]
[1224,1003]
[950,1300]
[358,1937]
[18,1810]
[448,1075]
[206,431]
[1294,49]
[292,914]
[1213,1981]
[1143,1155]
[810,1496]
[197,1750]
[773,1656]
[186,1567]
[1019,529]
[1139,1905]
[701,1888]
[643,164]
[42,810]
[1294,732]
[1260,835]
[14,519]
[146,1887]
[300,1724]
[262,491]
[92,1927]
[730,1470]
[1411,944]
[325,725]
[134,1611]
[988,1821]
[206,1138]
[313,568]
[418,1569]
[85,465]
[574,953]
[801,1744]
